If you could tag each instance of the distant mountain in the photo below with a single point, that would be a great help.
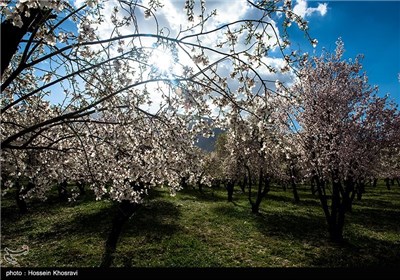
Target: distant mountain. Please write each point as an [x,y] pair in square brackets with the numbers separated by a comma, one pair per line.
[208,144]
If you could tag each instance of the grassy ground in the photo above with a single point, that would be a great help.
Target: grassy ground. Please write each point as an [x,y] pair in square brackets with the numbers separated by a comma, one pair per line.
[204,230]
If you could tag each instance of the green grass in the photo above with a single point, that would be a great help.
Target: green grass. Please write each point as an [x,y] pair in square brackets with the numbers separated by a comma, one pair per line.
[203,230]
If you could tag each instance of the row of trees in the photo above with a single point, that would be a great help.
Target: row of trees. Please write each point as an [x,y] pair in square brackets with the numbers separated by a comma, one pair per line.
[96,107]
[329,129]
[86,96]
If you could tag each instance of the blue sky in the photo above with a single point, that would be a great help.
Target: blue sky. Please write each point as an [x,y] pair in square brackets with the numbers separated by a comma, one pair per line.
[371,28]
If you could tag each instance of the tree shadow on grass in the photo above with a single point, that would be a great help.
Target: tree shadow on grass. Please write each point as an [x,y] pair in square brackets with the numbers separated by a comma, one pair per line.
[151,224]
[207,195]
[370,202]
[287,225]
[282,224]
[368,253]
[380,218]
[303,201]
[156,219]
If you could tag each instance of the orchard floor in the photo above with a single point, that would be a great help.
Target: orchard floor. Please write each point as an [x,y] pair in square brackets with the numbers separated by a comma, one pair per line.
[196,229]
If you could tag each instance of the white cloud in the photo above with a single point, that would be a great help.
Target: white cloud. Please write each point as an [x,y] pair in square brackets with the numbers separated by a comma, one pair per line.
[172,17]
[301,8]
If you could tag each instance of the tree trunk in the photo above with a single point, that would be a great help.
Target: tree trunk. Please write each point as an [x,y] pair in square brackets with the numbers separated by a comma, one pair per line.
[334,209]
[124,212]
[360,189]
[387,181]
[313,186]
[229,187]
[215,184]
[335,217]
[322,198]
[263,189]
[21,203]
[63,191]
[350,204]
[349,194]
[255,208]
[375,182]
[11,35]
[398,181]
[335,233]
[243,184]
[294,185]
[81,187]
[283,184]
[184,184]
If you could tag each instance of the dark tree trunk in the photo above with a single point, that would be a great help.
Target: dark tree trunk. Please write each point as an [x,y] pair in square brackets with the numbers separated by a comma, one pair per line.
[255,208]
[184,182]
[11,35]
[398,181]
[351,198]
[295,193]
[199,184]
[283,184]
[335,233]
[314,188]
[63,191]
[336,222]
[243,184]
[215,183]
[21,203]
[81,187]
[263,189]
[375,183]
[387,181]
[360,189]
[392,181]
[124,212]
[349,194]
[294,185]
[322,197]
[335,217]
[229,187]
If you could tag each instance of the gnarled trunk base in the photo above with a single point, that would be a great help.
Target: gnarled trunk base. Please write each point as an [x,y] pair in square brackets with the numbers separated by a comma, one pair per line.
[125,211]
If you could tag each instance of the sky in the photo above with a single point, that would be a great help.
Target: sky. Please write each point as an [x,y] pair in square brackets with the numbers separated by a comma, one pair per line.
[371,28]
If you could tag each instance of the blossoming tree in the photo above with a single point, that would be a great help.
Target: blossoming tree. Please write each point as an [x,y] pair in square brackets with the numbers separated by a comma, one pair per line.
[345,127]
[101,91]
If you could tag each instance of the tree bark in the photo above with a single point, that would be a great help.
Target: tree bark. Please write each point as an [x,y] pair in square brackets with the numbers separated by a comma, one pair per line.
[375,182]
[184,184]
[229,187]
[294,185]
[81,187]
[243,184]
[322,198]
[387,181]
[360,189]
[63,191]
[21,203]
[11,35]
[124,212]
[263,189]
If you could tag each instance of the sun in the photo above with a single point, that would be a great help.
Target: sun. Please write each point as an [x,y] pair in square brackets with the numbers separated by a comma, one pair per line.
[162,59]
[168,64]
